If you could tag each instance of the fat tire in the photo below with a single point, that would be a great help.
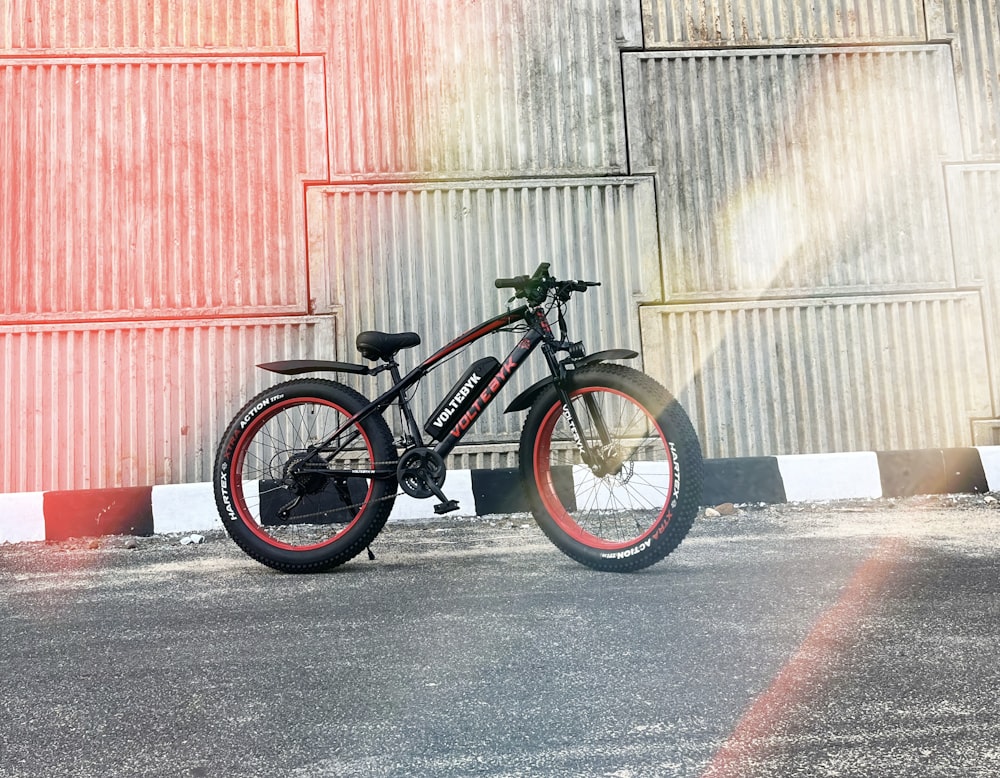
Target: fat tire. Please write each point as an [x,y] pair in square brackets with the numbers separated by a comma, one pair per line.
[237,517]
[681,504]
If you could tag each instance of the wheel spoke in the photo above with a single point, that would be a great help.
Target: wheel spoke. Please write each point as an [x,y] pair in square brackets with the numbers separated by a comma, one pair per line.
[620,498]
[291,504]
[623,492]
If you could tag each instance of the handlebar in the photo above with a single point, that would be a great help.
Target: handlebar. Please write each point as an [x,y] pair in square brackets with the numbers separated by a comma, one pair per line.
[517,282]
[536,287]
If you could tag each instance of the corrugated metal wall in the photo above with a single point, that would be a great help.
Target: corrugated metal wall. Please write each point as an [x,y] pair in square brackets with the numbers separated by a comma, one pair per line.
[797,172]
[794,174]
[92,405]
[157,186]
[454,89]
[423,257]
[792,206]
[973,197]
[673,24]
[89,27]
[973,30]
[825,374]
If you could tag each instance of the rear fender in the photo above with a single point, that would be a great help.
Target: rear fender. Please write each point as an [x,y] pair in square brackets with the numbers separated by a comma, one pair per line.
[299,366]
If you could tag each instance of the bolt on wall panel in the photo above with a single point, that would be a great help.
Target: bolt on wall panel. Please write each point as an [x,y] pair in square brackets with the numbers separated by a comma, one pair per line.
[824,375]
[974,27]
[797,172]
[401,257]
[92,406]
[156,187]
[454,89]
[729,23]
[151,26]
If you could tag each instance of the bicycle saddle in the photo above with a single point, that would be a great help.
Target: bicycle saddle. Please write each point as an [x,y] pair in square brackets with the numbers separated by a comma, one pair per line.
[376,345]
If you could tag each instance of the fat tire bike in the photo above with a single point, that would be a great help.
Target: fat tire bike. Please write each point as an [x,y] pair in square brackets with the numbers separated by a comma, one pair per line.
[307,472]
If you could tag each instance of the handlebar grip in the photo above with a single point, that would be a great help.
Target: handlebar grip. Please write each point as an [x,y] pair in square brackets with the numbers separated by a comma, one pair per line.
[582,286]
[511,283]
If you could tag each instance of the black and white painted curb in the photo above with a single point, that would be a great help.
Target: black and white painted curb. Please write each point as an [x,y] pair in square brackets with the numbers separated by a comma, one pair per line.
[149,510]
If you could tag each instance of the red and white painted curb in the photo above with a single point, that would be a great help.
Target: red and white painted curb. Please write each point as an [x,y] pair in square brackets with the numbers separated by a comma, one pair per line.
[149,510]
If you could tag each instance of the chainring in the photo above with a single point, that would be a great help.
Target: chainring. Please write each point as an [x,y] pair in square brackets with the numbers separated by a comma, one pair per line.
[418,467]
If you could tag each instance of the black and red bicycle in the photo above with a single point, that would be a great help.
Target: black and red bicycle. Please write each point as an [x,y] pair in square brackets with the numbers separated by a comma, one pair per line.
[307,472]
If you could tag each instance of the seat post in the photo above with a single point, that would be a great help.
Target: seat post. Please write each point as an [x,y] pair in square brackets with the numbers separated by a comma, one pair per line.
[414,437]
[393,366]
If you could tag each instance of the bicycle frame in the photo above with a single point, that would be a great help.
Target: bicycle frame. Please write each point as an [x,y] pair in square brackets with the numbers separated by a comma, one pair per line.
[539,331]
[308,471]
[508,367]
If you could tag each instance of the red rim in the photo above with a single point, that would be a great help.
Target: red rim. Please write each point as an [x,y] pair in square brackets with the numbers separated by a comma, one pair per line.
[546,483]
[236,479]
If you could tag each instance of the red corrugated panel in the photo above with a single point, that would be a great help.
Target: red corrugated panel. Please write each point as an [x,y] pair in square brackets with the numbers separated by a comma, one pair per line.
[456,89]
[125,26]
[93,406]
[156,187]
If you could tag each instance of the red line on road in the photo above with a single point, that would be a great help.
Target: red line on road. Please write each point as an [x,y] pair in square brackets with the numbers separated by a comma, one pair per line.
[803,673]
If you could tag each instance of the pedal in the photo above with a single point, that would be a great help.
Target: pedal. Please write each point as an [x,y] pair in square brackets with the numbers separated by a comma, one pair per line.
[446,507]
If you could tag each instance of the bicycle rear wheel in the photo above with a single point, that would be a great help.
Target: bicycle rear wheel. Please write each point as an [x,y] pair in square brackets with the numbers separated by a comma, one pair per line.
[299,520]
[631,500]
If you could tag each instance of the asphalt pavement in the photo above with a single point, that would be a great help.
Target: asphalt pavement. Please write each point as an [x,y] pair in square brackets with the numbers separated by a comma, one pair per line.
[842,639]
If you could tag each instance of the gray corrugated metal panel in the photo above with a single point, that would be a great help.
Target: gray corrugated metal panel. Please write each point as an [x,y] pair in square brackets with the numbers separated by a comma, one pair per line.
[152,26]
[974,26]
[463,90]
[824,375]
[129,404]
[423,258]
[974,201]
[796,171]
[729,23]
[157,185]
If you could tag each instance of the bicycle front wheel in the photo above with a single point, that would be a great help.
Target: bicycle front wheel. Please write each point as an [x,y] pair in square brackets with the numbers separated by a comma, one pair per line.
[288,506]
[623,495]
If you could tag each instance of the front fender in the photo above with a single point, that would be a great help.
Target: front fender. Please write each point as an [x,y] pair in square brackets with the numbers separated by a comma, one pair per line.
[524,400]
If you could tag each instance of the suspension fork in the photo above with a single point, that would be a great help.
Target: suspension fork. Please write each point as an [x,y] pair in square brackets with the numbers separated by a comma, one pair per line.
[598,417]
[569,411]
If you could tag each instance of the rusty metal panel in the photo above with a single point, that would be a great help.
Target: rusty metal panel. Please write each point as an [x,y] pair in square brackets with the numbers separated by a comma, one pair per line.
[974,28]
[454,89]
[88,406]
[152,26]
[728,23]
[423,258]
[824,375]
[797,172]
[156,187]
